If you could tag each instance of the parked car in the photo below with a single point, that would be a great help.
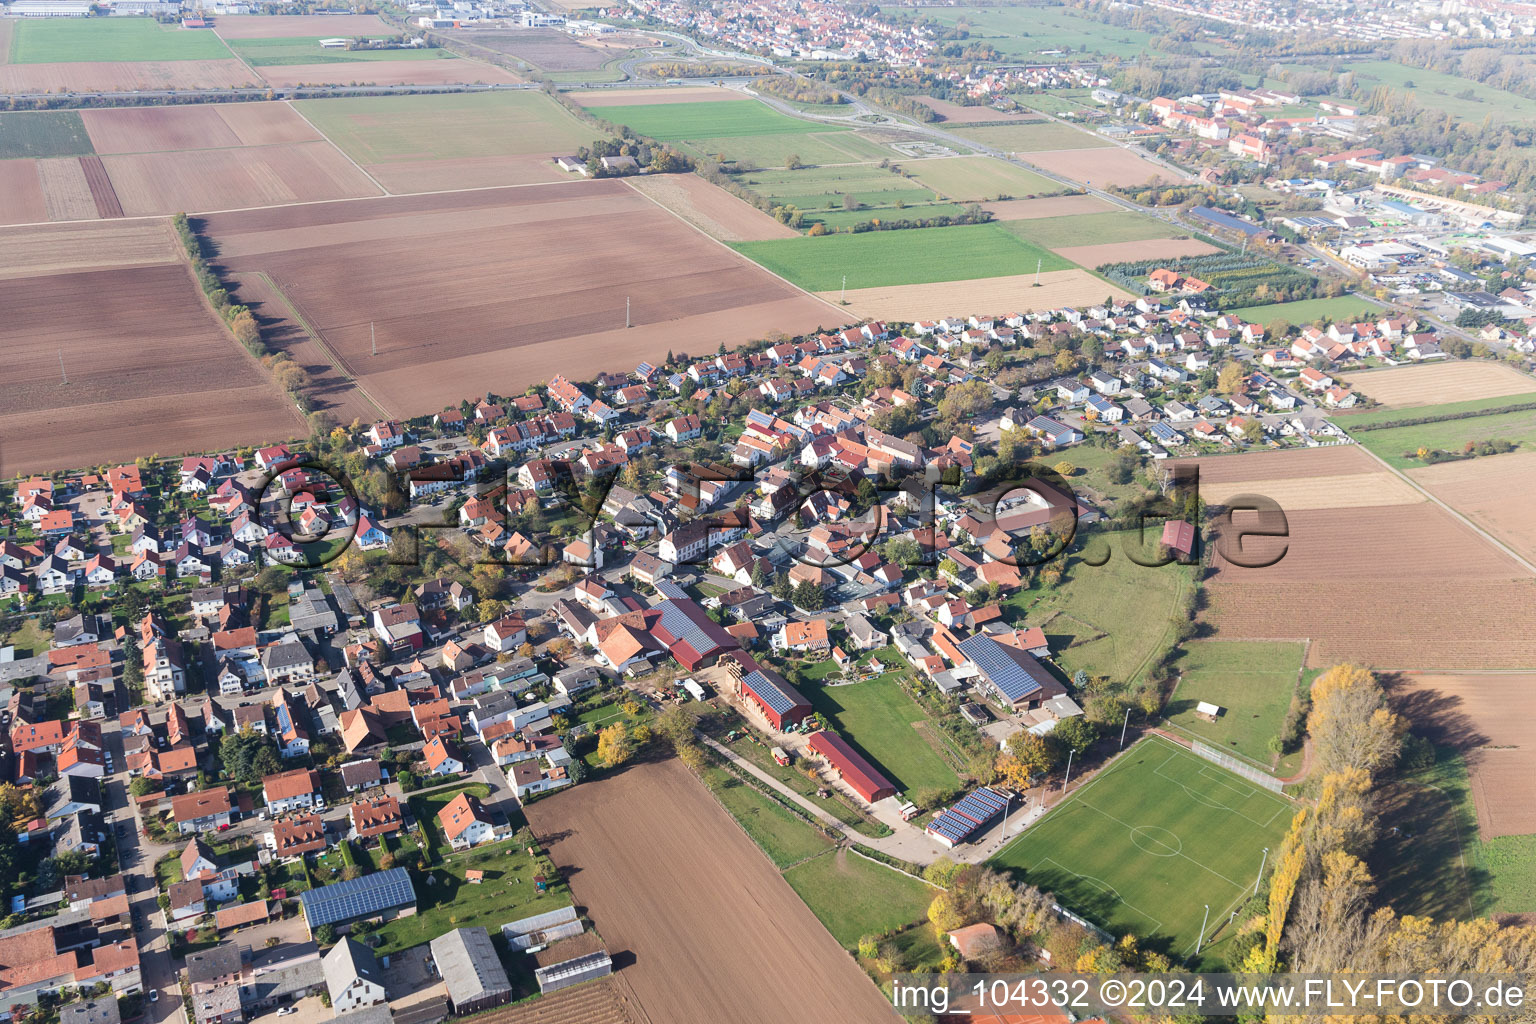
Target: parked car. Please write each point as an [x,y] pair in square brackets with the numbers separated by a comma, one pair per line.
[154,995]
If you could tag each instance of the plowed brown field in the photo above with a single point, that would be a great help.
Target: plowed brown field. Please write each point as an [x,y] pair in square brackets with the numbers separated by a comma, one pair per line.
[1055,206]
[1402,586]
[1434,383]
[715,933]
[169,380]
[21,193]
[85,245]
[1491,719]
[1145,249]
[1496,492]
[157,129]
[223,179]
[502,288]
[286,26]
[102,193]
[1336,460]
[1104,166]
[929,301]
[711,209]
[448,71]
[124,76]
[66,193]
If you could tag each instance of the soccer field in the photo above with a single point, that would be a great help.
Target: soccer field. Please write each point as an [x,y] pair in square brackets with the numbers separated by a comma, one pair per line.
[1148,844]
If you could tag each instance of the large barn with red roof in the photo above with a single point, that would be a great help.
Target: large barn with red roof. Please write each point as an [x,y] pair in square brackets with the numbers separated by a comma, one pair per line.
[861,776]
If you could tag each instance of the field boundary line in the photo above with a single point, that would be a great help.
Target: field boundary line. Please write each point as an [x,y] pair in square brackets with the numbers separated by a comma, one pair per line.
[314,335]
[1102,772]
[348,156]
[1107,889]
[853,848]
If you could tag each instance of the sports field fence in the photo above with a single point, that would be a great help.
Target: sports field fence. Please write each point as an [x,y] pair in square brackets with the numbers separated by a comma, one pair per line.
[1255,775]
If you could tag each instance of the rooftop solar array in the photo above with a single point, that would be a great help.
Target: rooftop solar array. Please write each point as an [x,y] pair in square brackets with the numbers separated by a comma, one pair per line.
[685,630]
[770,692]
[359,897]
[975,812]
[671,591]
[1002,667]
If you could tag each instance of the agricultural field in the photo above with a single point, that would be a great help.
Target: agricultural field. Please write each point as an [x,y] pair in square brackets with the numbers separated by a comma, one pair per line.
[298,26]
[1495,492]
[692,122]
[1441,384]
[1020,31]
[1304,478]
[578,251]
[1399,445]
[549,49]
[127,40]
[1031,137]
[1253,684]
[1342,309]
[709,208]
[845,194]
[1436,90]
[854,896]
[956,113]
[465,140]
[283,51]
[1057,206]
[1129,848]
[682,906]
[124,76]
[174,381]
[976,179]
[1015,293]
[1090,230]
[1089,623]
[880,721]
[1120,167]
[882,258]
[401,70]
[42,133]
[1143,249]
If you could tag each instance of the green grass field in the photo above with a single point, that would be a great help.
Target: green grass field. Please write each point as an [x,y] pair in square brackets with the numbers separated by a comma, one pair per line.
[1397,444]
[876,258]
[876,718]
[1030,29]
[1090,624]
[691,122]
[1436,90]
[1088,229]
[825,147]
[1148,843]
[379,129]
[1058,101]
[1030,138]
[1344,308]
[76,40]
[1426,859]
[975,179]
[42,133]
[279,52]
[819,192]
[782,835]
[1364,419]
[854,896]
[1252,682]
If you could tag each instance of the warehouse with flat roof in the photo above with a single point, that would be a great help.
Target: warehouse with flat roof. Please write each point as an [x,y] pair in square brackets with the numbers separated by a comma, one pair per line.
[471,970]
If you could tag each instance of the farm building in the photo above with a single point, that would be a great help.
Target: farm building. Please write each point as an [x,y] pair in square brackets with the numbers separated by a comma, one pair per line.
[1015,675]
[384,895]
[862,776]
[975,813]
[779,702]
[571,962]
[471,970]
[692,637]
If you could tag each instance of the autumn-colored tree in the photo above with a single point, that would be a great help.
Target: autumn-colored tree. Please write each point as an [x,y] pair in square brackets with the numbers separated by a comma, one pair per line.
[1039,754]
[1230,380]
[943,913]
[1350,723]
[615,746]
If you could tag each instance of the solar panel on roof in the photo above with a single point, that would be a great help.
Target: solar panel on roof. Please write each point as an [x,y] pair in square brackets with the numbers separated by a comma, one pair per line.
[686,631]
[974,812]
[1005,673]
[358,897]
[768,691]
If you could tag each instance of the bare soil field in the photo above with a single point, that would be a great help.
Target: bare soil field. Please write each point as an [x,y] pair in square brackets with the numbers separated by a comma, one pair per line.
[449,71]
[1355,581]
[1355,490]
[646,97]
[1146,249]
[225,179]
[171,381]
[1106,166]
[405,177]
[266,124]
[287,26]
[110,76]
[1436,383]
[546,48]
[157,129]
[1056,206]
[102,192]
[1336,460]
[53,249]
[1496,492]
[21,193]
[575,252]
[66,192]
[1491,719]
[711,209]
[956,113]
[604,1001]
[715,934]
[1002,294]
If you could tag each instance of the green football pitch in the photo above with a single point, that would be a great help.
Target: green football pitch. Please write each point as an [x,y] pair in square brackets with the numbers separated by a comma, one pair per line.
[1151,842]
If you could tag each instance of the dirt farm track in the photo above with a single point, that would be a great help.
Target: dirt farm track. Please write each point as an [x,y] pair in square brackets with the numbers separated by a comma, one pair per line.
[503,288]
[704,930]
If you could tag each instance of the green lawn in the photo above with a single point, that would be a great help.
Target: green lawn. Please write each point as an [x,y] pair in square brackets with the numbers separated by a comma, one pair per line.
[1150,842]
[1036,137]
[1090,623]
[1088,229]
[876,717]
[679,122]
[876,258]
[262,53]
[1342,309]
[1058,101]
[974,179]
[1427,860]
[1024,30]
[821,193]
[1436,90]
[1392,444]
[1252,681]
[854,896]
[448,901]
[75,40]
[782,835]
[825,145]
[1366,419]
[43,133]
[380,129]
